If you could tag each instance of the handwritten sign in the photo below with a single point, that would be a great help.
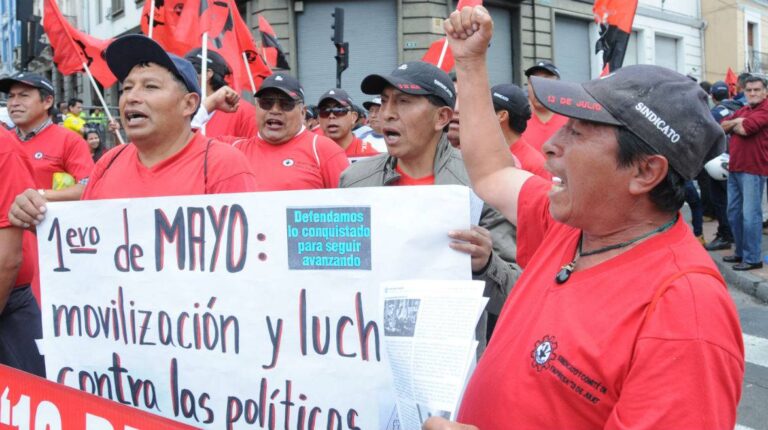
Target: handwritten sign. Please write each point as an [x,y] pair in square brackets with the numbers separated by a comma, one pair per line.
[240,310]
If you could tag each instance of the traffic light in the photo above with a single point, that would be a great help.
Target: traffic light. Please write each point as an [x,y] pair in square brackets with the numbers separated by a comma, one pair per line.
[342,47]
[338,26]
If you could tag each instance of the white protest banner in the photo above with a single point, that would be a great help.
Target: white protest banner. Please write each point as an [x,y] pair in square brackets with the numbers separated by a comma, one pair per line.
[240,310]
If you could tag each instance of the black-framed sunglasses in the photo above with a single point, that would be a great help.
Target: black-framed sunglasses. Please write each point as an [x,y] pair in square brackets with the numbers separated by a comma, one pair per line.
[286,105]
[336,111]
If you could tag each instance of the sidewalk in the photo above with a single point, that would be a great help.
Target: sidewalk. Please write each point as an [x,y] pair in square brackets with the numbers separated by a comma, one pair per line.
[753,282]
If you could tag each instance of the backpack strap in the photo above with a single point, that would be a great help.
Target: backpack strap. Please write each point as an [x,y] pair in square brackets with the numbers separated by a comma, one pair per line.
[112,160]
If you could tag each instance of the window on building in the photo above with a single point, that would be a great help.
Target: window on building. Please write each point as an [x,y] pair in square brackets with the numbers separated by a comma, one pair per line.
[118,7]
[631,57]
[573,53]
[666,52]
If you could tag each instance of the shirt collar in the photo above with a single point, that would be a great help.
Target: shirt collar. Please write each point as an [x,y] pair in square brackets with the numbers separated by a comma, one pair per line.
[34,132]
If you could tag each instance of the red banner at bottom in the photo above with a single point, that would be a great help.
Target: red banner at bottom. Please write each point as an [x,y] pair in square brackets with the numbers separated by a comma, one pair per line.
[29,402]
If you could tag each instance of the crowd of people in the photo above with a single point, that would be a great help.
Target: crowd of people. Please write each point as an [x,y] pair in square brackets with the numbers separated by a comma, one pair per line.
[605,310]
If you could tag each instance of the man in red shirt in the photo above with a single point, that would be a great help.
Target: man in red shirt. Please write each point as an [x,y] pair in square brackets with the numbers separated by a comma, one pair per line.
[621,319]
[53,150]
[748,169]
[543,123]
[20,322]
[240,123]
[284,155]
[337,117]
[416,101]
[514,112]
[160,95]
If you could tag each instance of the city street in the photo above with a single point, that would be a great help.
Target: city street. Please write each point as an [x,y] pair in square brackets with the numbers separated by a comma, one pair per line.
[753,409]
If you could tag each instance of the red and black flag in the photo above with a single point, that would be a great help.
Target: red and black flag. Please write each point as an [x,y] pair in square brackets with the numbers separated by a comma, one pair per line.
[732,80]
[165,25]
[274,53]
[615,18]
[72,48]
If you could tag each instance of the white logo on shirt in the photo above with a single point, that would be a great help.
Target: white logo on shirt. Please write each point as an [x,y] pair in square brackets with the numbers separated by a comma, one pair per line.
[288,162]
[38,155]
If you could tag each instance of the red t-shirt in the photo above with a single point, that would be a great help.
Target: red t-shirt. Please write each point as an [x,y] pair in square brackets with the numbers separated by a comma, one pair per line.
[530,159]
[360,148]
[181,174]
[54,150]
[749,154]
[582,355]
[305,162]
[537,133]
[17,177]
[410,180]
[241,123]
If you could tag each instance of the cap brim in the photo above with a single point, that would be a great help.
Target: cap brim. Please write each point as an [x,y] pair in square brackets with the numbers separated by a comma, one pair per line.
[281,89]
[126,52]
[375,84]
[342,101]
[570,99]
[7,83]
[535,69]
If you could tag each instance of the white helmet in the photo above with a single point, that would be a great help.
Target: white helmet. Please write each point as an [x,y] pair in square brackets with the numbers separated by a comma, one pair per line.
[718,167]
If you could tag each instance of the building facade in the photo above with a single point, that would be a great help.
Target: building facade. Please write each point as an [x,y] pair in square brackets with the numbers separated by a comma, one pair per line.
[736,36]
[10,36]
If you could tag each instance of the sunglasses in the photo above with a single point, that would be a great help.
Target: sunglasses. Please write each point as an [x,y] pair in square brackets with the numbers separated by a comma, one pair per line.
[336,111]
[285,104]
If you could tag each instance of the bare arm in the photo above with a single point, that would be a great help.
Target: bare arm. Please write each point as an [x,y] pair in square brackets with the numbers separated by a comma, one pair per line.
[10,261]
[67,194]
[487,158]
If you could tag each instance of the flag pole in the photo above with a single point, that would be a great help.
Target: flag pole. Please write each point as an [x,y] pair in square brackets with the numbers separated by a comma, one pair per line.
[101,99]
[250,74]
[442,53]
[151,18]
[204,74]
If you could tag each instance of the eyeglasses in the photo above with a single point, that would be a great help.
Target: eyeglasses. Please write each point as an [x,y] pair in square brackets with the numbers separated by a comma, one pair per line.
[285,104]
[336,111]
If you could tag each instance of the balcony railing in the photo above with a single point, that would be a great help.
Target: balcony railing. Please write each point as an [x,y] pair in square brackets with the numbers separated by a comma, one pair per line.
[757,61]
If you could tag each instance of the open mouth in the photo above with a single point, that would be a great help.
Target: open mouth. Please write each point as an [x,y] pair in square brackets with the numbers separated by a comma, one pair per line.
[391,136]
[274,123]
[333,128]
[134,118]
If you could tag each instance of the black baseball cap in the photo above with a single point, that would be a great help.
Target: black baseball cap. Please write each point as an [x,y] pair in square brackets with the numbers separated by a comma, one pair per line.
[338,95]
[719,90]
[30,79]
[417,78]
[376,101]
[214,60]
[665,109]
[545,66]
[125,52]
[285,83]
[511,98]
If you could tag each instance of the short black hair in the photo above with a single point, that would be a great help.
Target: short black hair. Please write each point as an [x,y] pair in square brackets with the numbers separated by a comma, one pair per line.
[436,101]
[754,78]
[518,123]
[73,101]
[742,80]
[706,86]
[669,195]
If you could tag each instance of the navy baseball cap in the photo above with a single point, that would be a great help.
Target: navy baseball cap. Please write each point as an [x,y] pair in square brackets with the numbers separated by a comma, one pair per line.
[285,83]
[338,95]
[543,66]
[25,78]
[214,60]
[665,109]
[719,89]
[125,52]
[512,99]
[417,78]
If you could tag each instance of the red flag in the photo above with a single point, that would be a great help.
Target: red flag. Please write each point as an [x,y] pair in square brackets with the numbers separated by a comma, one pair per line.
[228,35]
[273,51]
[167,15]
[615,19]
[433,55]
[72,48]
[732,80]
[468,3]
